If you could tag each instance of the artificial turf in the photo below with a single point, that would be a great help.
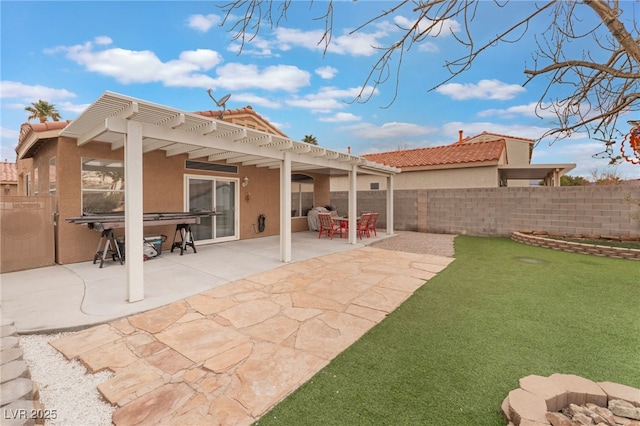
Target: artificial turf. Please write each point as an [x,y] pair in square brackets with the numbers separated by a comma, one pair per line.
[451,353]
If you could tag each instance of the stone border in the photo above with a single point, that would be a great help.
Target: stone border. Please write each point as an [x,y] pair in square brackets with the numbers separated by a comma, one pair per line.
[573,247]
[19,397]
[537,395]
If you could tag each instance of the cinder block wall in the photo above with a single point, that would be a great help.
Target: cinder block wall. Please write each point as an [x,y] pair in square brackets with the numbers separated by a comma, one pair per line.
[592,210]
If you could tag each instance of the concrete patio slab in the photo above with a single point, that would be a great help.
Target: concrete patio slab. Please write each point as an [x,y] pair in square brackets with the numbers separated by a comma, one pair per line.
[73,296]
[230,353]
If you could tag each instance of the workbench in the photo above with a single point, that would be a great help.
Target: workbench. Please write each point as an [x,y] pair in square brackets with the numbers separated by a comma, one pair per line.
[105,223]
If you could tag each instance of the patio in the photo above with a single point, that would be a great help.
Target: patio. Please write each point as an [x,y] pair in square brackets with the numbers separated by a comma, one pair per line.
[74,296]
[221,352]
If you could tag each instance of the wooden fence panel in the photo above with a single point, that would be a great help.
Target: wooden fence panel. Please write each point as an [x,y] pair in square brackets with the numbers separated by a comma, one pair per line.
[26,233]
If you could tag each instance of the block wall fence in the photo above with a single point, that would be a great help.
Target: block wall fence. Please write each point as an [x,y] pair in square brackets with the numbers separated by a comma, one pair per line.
[587,210]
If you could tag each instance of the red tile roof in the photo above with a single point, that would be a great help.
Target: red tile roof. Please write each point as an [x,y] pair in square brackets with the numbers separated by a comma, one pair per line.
[216,114]
[26,129]
[248,110]
[8,172]
[456,153]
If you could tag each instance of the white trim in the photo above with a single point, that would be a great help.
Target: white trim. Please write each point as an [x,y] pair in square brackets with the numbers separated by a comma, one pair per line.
[236,207]
[285,208]
[133,213]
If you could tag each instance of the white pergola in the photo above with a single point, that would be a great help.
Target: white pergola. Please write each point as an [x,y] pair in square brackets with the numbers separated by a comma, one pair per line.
[140,126]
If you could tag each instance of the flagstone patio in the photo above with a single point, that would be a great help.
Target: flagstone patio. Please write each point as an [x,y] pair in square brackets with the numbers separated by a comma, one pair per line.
[228,355]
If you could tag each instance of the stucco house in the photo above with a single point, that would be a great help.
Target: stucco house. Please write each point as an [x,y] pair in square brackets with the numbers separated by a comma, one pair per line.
[487,160]
[160,159]
[8,178]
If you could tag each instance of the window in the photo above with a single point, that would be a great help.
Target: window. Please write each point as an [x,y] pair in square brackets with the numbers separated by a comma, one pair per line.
[102,185]
[301,195]
[52,176]
[374,185]
[35,181]
[27,184]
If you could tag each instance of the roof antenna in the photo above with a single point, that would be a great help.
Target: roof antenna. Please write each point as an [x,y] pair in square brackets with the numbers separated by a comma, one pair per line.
[222,103]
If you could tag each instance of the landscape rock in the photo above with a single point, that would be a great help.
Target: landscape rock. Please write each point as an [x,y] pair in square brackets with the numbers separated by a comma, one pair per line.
[624,409]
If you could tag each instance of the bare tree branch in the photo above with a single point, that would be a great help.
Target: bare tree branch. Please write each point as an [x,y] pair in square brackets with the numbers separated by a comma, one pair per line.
[599,90]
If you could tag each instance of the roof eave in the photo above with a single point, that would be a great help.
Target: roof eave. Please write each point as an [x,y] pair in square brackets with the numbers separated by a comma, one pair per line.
[29,146]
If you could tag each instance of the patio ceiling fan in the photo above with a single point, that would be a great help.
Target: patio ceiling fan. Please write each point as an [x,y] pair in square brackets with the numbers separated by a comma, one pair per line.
[222,103]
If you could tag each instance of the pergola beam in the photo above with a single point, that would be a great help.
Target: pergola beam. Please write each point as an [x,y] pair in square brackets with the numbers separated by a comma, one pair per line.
[146,127]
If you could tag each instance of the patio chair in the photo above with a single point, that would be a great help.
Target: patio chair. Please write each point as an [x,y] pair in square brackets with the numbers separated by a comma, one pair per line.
[327,225]
[363,225]
[372,223]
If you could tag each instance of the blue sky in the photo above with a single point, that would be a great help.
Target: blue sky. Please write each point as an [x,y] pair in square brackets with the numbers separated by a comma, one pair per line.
[69,53]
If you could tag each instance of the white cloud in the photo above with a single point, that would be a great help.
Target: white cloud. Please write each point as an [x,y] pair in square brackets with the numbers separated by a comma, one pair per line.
[526,110]
[428,46]
[340,117]
[278,77]
[9,133]
[32,93]
[358,44]
[203,23]
[143,66]
[442,28]
[327,99]
[390,132]
[68,106]
[253,100]
[257,46]
[484,89]
[103,40]
[326,73]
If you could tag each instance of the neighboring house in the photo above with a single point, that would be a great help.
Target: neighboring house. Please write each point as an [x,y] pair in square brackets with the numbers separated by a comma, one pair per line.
[177,161]
[487,160]
[8,178]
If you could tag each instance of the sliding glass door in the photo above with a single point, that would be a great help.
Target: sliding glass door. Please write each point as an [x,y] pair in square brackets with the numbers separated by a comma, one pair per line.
[205,193]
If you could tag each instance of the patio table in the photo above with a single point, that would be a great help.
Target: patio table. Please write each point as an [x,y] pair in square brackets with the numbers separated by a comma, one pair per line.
[344,223]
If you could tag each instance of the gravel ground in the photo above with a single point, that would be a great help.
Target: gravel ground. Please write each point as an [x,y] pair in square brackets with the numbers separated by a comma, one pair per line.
[66,387]
[418,242]
[68,393]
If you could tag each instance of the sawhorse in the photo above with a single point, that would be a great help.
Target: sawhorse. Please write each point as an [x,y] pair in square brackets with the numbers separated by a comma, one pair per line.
[110,248]
[186,238]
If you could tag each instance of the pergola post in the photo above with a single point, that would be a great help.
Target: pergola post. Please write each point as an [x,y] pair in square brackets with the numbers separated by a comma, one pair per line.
[353,208]
[390,204]
[133,212]
[285,208]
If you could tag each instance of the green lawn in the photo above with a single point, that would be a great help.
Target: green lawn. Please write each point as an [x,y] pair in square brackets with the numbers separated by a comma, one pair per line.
[451,353]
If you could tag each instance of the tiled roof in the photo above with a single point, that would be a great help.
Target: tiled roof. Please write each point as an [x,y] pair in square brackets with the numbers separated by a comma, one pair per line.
[215,114]
[8,172]
[248,110]
[456,153]
[26,129]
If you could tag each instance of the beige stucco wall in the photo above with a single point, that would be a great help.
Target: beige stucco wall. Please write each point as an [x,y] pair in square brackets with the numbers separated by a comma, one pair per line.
[164,183]
[469,177]
[517,152]
[517,155]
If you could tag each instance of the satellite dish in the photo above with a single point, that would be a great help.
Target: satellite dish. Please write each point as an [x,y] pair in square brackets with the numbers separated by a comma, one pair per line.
[222,103]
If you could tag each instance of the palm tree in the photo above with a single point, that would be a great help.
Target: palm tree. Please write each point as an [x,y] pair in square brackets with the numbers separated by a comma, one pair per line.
[310,139]
[42,110]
